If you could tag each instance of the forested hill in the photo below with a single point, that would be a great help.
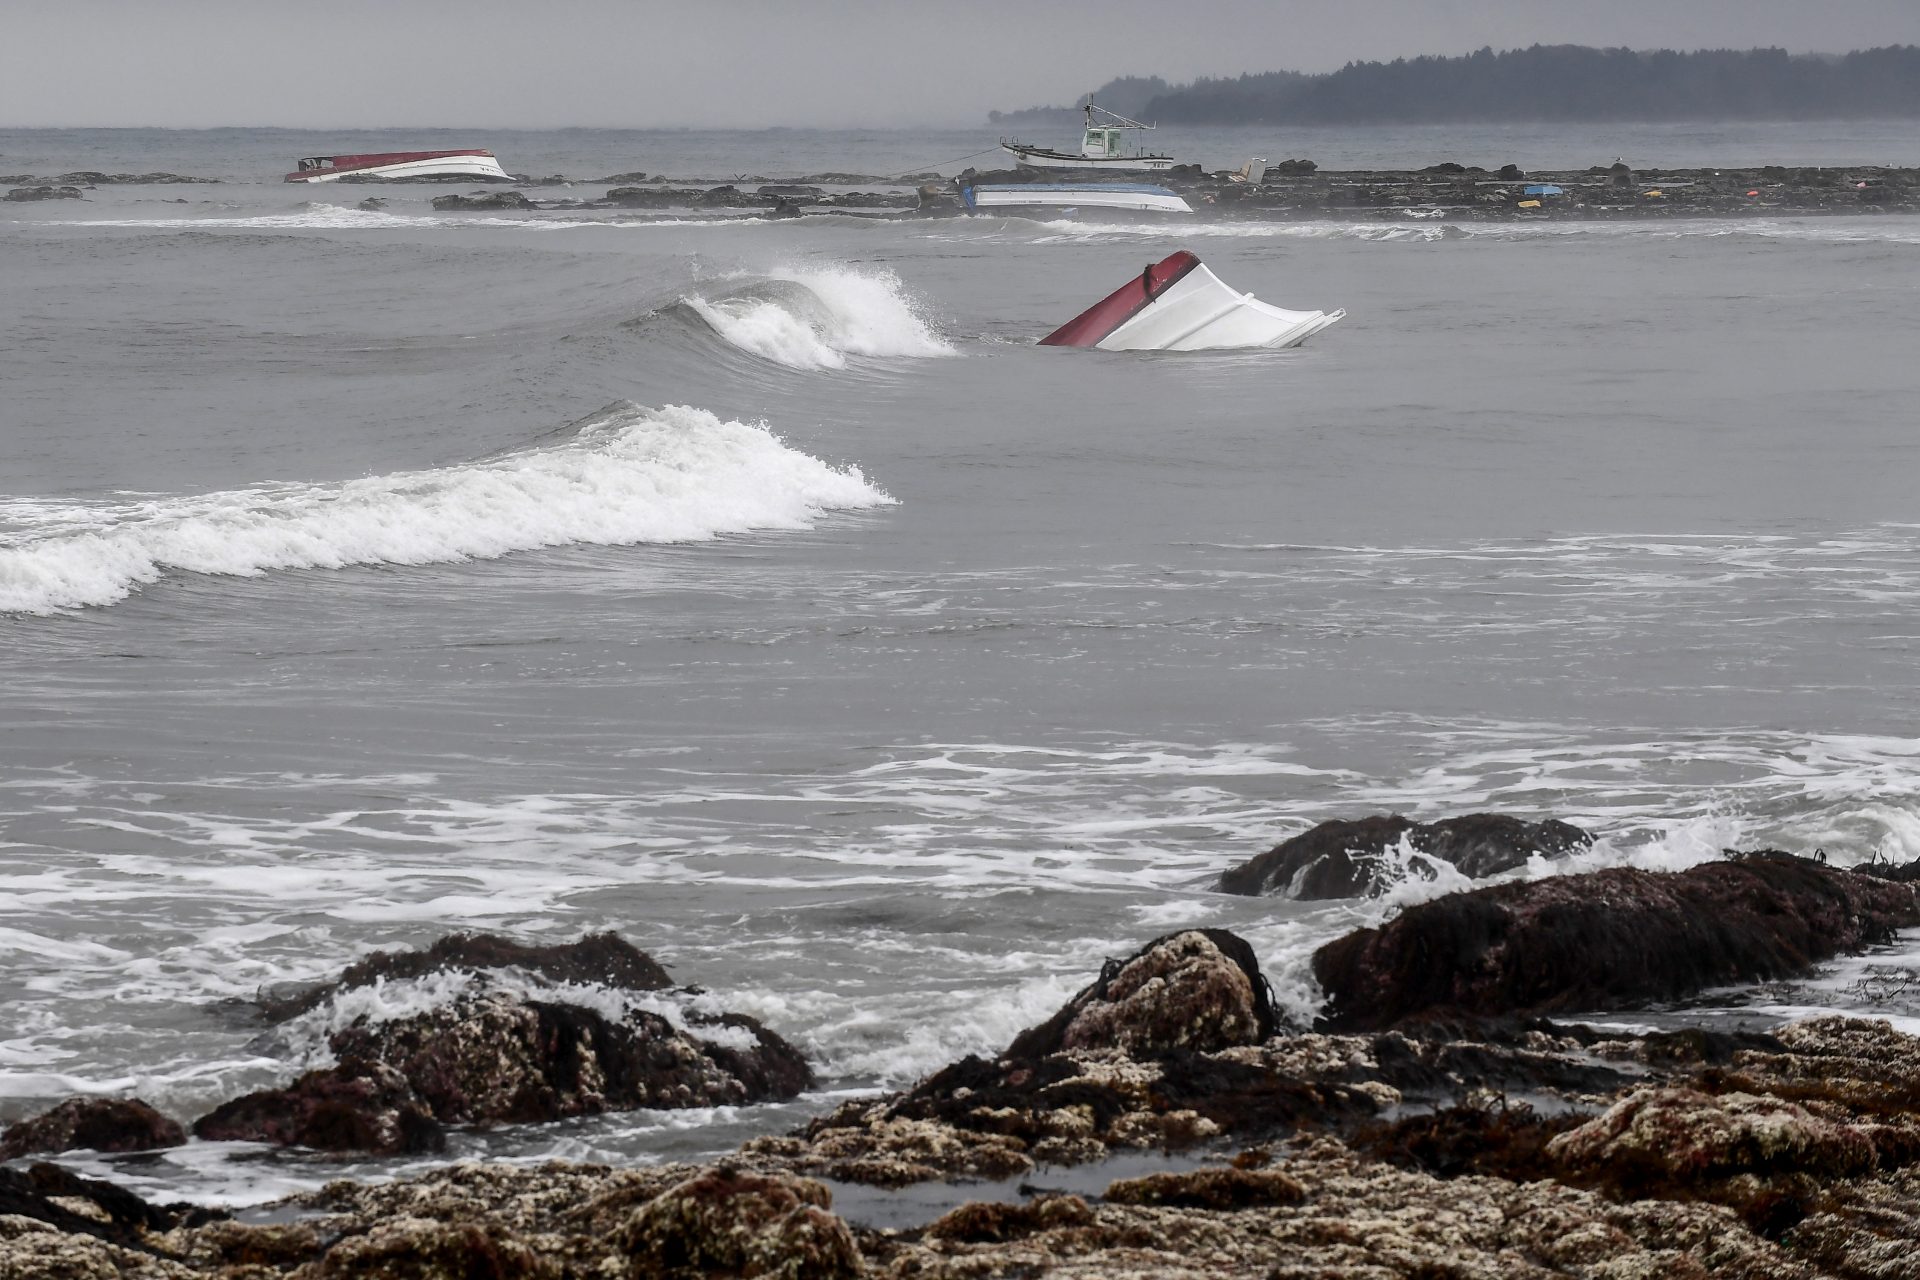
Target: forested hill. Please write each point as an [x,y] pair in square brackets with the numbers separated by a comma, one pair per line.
[1556,82]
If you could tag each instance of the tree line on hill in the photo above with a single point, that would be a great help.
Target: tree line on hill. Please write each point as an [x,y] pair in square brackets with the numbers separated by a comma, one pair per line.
[1542,83]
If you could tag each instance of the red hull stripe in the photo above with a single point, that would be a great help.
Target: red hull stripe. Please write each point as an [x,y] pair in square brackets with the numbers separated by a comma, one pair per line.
[1123,304]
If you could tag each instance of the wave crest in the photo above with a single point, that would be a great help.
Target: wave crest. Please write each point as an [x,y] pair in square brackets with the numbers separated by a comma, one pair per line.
[816,319]
[627,475]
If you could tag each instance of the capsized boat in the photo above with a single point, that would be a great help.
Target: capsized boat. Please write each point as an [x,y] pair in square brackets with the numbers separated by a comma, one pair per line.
[1178,305]
[1103,146]
[1052,198]
[401,165]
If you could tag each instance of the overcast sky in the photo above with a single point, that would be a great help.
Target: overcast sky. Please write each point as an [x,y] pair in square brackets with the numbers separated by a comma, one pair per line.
[751,63]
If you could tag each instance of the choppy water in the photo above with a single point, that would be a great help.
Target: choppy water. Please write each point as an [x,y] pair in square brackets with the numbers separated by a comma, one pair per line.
[758,590]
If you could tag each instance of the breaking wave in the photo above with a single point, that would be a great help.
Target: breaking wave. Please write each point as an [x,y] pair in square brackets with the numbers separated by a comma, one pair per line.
[816,319]
[626,475]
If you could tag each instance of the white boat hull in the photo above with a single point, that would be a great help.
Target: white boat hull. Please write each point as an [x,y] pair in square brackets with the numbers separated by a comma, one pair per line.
[1200,312]
[1043,198]
[443,167]
[1041,158]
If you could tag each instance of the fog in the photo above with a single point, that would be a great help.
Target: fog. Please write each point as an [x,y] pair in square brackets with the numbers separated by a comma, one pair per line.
[753,63]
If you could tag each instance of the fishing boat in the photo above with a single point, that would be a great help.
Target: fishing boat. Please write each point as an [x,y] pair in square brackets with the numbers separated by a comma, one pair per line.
[1058,199]
[1178,305]
[401,165]
[1104,146]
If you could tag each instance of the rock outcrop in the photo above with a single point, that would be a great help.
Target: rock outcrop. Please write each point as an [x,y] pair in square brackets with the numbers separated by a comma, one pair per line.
[1606,940]
[44,193]
[480,201]
[1349,858]
[599,959]
[1200,990]
[96,1124]
[495,1055]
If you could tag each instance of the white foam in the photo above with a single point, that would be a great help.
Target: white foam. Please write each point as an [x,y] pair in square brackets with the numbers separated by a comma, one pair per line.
[632,475]
[840,312]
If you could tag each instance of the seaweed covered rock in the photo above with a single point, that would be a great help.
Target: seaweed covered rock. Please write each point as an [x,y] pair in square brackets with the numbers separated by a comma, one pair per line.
[1200,989]
[44,193]
[1344,858]
[497,1059]
[1606,939]
[356,1106]
[742,1224]
[599,959]
[1676,1134]
[96,1124]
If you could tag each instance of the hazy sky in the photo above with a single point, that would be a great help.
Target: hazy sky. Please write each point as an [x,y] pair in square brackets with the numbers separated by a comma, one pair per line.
[751,63]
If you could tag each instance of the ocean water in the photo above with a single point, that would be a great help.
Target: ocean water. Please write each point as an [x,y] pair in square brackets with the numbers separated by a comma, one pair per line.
[760,591]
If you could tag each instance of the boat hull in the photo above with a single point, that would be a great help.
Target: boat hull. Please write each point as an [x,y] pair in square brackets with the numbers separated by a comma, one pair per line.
[1178,305]
[402,166]
[1055,199]
[1042,158]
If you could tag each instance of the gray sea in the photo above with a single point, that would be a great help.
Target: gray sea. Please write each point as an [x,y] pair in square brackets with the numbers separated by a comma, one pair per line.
[760,591]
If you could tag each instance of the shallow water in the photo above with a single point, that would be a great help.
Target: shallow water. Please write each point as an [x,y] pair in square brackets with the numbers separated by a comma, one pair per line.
[759,591]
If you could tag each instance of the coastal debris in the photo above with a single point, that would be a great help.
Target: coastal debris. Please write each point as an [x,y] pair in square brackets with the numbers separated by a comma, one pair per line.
[1176,304]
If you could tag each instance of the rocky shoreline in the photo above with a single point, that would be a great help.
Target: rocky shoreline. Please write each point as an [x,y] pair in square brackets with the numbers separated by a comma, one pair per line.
[1296,189]
[1433,1124]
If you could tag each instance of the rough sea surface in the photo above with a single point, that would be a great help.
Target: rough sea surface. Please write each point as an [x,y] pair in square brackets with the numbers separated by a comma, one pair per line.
[760,591]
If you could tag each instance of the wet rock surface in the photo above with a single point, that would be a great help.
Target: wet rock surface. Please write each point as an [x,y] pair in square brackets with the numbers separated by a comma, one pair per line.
[96,1124]
[1490,1147]
[1608,939]
[44,193]
[601,959]
[1350,858]
[484,200]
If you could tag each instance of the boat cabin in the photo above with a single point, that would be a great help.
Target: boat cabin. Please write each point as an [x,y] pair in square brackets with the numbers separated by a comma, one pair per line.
[316,162]
[1100,143]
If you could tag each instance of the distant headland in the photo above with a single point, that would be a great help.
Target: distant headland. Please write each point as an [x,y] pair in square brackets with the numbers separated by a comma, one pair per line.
[1544,83]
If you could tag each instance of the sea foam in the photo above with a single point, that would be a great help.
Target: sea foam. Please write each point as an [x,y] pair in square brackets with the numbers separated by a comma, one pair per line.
[628,475]
[815,319]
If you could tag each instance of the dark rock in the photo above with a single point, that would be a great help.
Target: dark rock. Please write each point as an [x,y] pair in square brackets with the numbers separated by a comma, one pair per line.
[47,1193]
[95,1124]
[500,1060]
[1511,173]
[1605,940]
[356,1106]
[1445,166]
[1209,1189]
[94,178]
[646,197]
[44,193]
[1292,168]
[731,1223]
[483,200]
[635,176]
[1346,858]
[994,1221]
[1198,989]
[371,204]
[600,959]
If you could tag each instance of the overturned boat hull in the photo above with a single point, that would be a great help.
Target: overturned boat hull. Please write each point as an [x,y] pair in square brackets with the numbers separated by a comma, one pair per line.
[1178,305]
[401,166]
[1046,199]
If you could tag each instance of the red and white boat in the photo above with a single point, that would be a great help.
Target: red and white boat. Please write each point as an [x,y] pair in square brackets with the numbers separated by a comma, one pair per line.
[402,165]
[1178,305]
